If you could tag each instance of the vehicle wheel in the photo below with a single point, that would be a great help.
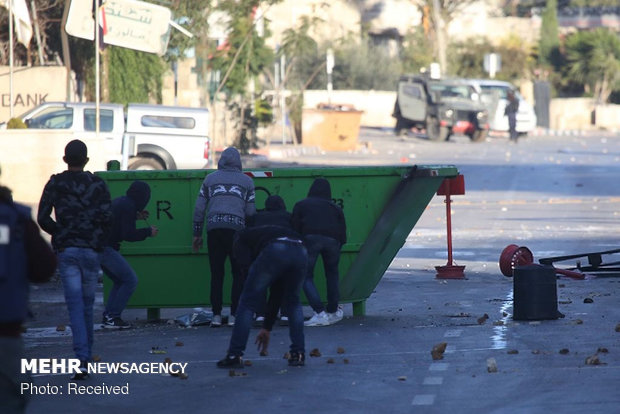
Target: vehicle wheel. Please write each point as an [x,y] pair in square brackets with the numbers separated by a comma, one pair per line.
[433,131]
[479,135]
[401,127]
[145,163]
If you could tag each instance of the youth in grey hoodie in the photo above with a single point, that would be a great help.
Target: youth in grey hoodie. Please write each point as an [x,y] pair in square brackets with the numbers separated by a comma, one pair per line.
[226,196]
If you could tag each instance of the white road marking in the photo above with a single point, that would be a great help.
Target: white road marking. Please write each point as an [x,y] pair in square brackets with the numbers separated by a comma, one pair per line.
[423,399]
[433,381]
[453,333]
[438,366]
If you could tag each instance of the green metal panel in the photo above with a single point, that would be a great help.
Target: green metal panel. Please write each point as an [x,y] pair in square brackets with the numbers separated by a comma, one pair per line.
[381,206]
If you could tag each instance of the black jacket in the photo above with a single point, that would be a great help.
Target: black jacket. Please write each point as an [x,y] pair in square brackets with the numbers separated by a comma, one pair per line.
[317,214]
[274,213]
[124,210]
[81,204]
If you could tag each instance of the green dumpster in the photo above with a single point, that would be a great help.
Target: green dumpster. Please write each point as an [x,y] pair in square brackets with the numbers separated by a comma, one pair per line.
[381,205]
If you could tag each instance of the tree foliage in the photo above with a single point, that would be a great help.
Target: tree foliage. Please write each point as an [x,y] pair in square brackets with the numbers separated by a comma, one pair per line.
[593,59]
[468,58]
[417,51]
[548,45]
[437,15]
[240,60]
[362,65]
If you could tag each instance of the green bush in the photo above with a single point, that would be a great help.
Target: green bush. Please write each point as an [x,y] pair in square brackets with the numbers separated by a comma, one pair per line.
[16,123]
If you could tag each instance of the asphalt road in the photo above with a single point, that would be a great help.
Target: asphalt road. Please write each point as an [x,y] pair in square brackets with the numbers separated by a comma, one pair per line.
[556,195]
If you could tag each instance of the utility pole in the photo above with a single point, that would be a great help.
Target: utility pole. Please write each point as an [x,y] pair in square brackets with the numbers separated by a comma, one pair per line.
[441,44]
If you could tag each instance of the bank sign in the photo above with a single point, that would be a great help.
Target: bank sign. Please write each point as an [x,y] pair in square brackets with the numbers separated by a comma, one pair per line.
[33,86]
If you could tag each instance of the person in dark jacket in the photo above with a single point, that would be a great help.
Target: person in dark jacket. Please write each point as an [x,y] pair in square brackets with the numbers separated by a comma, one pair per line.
[125,211]
[227,198]
[24,257]
[512,108]
[81,204]
[278,261]
[274,214]
[322,225]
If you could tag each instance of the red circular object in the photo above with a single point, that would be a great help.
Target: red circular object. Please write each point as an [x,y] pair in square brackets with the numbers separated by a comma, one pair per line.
[513,256]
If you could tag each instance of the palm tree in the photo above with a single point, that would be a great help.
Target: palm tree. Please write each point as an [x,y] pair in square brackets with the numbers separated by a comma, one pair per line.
[594,61]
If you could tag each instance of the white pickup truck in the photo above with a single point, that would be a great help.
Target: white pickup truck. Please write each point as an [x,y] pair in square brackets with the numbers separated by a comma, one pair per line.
[156,137]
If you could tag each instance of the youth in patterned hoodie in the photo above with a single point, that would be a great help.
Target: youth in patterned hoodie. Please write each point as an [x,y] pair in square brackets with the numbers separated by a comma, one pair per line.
[81,204]
[226,197]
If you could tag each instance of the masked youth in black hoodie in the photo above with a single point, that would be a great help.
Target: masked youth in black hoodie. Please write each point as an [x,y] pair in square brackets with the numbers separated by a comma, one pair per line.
[322,225]
[126,210]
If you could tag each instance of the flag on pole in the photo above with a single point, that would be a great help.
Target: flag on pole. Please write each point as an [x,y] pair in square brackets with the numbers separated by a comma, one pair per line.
[23,26]
[103,26]
[99,8]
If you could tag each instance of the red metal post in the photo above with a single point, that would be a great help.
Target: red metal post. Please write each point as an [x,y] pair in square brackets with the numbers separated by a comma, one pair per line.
[450,271]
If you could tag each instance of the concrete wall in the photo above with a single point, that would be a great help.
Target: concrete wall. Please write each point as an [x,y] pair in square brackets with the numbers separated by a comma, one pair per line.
[31,87]
[29,157]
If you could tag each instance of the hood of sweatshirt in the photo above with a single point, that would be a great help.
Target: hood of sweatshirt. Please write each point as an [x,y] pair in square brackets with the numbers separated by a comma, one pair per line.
[275,203]
[230,160]
[320,188]
[140,193]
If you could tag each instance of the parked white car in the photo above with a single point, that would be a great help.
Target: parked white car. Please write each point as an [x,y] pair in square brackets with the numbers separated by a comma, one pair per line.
[494,95]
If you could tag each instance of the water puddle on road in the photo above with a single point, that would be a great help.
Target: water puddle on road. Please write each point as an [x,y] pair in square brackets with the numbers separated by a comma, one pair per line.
[498,339]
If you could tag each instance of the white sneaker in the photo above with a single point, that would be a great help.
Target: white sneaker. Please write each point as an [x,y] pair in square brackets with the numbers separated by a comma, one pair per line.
[337,316]
[283,320]
[216,322]
[260,319]
[318,319]
[231,320]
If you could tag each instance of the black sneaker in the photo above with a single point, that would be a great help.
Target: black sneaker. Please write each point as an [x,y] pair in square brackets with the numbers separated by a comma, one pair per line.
[114,323]
[297,359]
[83,374]
[231,361]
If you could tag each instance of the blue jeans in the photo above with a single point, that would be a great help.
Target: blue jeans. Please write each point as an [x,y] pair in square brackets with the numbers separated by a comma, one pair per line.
[279,260]
[79,269]
[124,278]
[329,249]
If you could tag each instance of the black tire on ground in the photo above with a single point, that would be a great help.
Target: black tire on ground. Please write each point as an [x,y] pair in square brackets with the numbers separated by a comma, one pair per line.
[145,163]
[401,127]
[479,135]
[433,131]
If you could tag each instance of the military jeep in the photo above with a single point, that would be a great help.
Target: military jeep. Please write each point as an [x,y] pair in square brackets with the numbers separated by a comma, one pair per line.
[443,107]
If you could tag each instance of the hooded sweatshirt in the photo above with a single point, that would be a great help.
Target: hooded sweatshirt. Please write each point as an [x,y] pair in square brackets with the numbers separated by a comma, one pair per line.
[317,214]
[124,210]
[274,214]
[226,196]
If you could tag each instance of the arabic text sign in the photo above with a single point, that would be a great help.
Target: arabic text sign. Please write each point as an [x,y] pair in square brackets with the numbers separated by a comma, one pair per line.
[132,24]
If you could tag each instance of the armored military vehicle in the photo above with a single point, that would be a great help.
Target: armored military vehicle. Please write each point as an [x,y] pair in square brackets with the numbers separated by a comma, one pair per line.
[443,107]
